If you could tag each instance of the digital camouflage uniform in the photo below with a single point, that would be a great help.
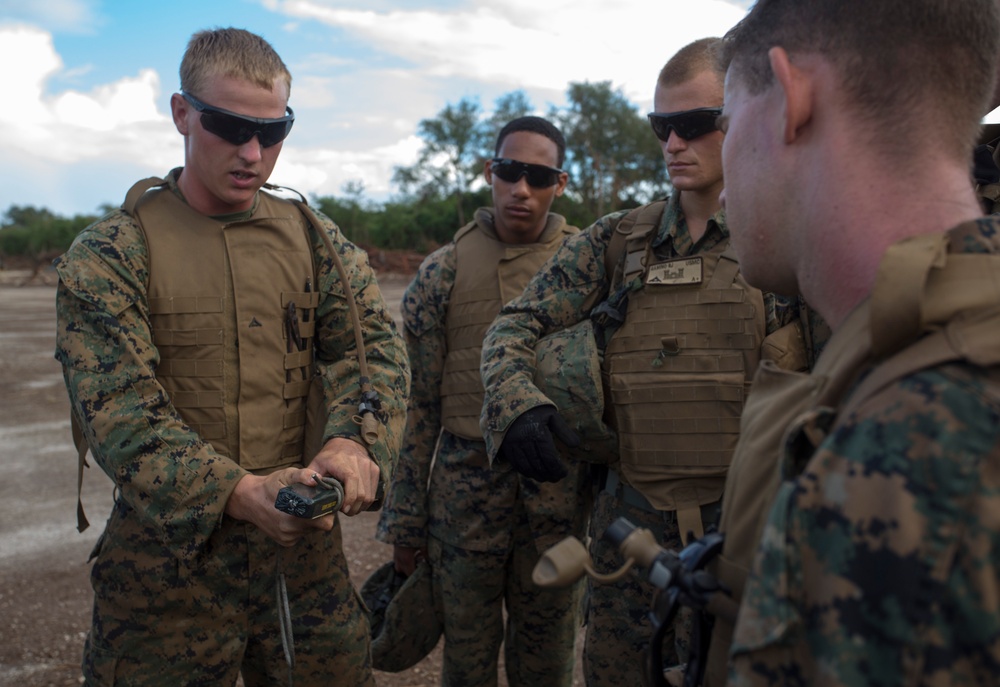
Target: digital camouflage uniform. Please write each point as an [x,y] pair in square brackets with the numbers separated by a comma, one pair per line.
[560,296]
[184,594]
[877,564]
[485,528]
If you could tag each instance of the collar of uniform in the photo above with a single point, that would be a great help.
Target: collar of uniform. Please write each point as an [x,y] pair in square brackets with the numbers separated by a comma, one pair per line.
[673,227]
[485,218]
[175,173]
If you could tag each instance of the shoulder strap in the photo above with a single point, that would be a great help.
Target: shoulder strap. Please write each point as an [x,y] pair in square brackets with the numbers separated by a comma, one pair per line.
[80,441]
[629,240]
[369,399]
[920,284]
[727,268]
[139,188]
[932,350]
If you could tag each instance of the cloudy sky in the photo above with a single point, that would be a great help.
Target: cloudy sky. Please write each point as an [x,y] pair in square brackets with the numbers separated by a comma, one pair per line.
[86,83]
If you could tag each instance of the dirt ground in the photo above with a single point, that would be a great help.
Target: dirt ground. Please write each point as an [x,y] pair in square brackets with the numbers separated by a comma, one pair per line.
[45,593]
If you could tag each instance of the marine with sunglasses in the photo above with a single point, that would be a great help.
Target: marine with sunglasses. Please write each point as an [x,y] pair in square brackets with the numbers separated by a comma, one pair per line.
[483,530]
[655,298]
[210,360]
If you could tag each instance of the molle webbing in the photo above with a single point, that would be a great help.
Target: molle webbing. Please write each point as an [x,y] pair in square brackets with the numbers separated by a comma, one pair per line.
[489,273]
[677,371]
[211,284]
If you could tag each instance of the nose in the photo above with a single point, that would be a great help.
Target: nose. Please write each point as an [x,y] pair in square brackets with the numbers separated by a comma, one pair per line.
[675,143]
[252,150]
[722,198]
[520,188]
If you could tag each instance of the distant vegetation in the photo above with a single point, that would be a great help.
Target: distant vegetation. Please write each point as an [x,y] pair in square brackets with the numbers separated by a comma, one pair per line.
[612,158]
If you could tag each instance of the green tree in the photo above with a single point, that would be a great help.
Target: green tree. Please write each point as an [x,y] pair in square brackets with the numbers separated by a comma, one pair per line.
[37,235]
[507,107]
[449,158]
[612,156]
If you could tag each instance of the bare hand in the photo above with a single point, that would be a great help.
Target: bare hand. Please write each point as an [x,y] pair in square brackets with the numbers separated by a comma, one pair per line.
[350,463]
[406,558]
[253,501]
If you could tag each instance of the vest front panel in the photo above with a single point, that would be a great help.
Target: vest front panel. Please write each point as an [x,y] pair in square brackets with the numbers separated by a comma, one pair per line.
[232,310]
[678,371]
[489,273]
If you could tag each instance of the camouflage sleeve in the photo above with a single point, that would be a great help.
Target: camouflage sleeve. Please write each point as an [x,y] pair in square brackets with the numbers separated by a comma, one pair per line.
[337,354]
[425,305]
[161,468]
[878,564]
[779,311]
[561,294]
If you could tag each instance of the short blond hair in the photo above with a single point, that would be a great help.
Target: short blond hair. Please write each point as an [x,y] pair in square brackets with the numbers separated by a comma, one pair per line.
[693,59]
[234,53]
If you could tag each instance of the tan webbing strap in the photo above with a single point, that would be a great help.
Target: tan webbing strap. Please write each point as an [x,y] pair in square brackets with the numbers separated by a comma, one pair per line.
[972,340]
[899,285]
[138,188]
[80,441]
[689,520]
[919,284]
[368,424]
[968,282]
[628,239]
[726,270]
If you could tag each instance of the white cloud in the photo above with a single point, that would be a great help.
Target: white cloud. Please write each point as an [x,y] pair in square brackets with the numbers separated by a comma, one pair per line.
[118,119]
[527,44]
[71,16]
[357,116]
[323,172]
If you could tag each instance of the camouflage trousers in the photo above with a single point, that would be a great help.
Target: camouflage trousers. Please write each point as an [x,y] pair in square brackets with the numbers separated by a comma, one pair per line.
[618,625]
[158,622]
[475,587]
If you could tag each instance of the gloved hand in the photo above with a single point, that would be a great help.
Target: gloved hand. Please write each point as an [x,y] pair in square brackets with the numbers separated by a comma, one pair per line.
[529,446]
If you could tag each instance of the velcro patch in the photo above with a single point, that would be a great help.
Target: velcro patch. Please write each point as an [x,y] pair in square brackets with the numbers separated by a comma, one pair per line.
[677,271]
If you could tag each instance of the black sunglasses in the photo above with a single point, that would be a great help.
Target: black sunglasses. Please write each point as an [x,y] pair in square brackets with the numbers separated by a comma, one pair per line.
[688,124]
[538,176]
[238,129]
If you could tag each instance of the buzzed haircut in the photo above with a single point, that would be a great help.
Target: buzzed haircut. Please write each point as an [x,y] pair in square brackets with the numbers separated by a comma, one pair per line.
[691,60]
[901,62]
[232,53]
[535,125]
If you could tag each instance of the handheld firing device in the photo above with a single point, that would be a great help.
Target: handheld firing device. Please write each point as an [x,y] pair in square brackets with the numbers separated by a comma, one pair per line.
[304,501]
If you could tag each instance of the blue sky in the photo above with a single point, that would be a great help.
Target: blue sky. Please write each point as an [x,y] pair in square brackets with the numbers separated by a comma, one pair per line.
[87,83]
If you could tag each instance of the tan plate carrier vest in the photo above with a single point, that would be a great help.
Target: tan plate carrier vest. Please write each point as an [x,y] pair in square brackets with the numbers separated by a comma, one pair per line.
[908,324]
[678,369]
[489,273]
[252,282]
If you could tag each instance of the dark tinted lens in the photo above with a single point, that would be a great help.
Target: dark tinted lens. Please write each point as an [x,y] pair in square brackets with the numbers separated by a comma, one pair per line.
[238,130]
[538,176]
[689,125]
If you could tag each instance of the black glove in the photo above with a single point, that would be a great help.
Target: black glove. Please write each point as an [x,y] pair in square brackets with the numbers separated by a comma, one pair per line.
[529,446]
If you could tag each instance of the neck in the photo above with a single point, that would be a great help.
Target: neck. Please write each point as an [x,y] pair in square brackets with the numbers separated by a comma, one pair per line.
[851,224]
[699,207]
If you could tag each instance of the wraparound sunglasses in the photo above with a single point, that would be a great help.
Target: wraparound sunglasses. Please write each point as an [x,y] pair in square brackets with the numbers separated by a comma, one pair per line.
[238,129]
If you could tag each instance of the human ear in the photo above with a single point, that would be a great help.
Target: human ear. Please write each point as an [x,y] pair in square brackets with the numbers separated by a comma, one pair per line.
[561,186]
[796,91]
[179,110]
